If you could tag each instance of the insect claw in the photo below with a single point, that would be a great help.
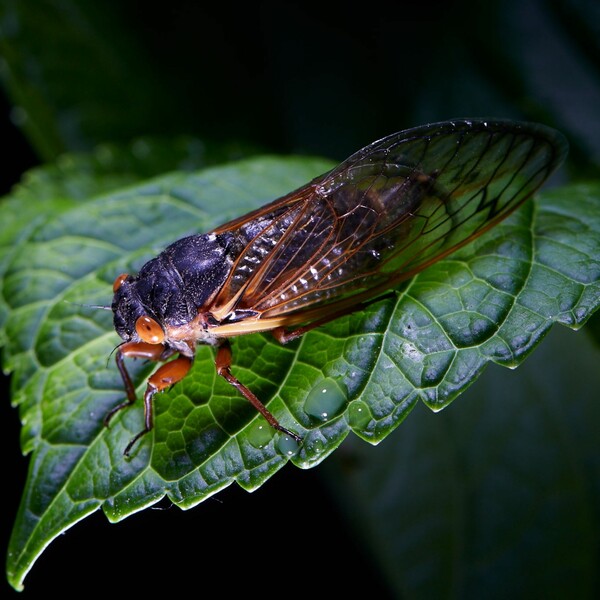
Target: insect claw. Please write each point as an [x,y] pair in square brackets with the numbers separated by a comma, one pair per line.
[108,418]
[132,441]
[293,435]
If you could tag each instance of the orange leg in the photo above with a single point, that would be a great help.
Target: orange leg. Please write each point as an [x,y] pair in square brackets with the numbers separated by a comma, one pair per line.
[223,364]
[164,377]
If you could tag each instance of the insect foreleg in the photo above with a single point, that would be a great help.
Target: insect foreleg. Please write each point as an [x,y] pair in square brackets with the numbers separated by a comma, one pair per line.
[167,375]
[133,350]
[223,365]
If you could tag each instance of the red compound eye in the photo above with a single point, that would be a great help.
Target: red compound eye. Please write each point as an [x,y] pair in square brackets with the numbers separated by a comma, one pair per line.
[149,331]
[119,280]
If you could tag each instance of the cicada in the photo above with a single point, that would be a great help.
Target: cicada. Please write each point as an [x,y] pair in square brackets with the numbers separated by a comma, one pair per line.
[328,248]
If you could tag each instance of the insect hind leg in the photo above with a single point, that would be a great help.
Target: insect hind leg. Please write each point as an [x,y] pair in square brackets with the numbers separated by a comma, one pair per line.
[223,365]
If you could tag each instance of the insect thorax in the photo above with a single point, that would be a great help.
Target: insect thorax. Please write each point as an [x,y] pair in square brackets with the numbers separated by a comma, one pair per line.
[173,287]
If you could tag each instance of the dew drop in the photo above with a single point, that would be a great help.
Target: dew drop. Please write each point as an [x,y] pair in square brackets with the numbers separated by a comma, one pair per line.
[260,433]
[325,400]
[316,447]
[287,445]
[359,415]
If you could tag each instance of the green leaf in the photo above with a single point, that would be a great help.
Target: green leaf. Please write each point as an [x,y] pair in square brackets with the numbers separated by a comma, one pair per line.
[492,301]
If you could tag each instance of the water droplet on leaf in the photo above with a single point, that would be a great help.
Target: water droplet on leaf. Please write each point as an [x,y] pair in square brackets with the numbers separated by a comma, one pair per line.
[326,399]
[287,445]
[359,414]
[260,433]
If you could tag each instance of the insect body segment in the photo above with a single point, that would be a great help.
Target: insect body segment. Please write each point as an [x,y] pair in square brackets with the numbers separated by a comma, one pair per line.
[326,249]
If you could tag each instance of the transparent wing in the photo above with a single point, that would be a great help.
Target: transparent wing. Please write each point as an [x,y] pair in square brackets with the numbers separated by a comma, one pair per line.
[384,214]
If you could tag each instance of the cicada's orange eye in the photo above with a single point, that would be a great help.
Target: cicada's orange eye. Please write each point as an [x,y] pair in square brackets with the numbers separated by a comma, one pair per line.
[119,280]
[149,330]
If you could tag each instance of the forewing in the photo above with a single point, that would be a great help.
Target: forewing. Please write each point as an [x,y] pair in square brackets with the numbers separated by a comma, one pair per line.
[386,213]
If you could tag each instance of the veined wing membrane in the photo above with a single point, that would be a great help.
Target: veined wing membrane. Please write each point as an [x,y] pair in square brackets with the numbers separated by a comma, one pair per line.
[384,214]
